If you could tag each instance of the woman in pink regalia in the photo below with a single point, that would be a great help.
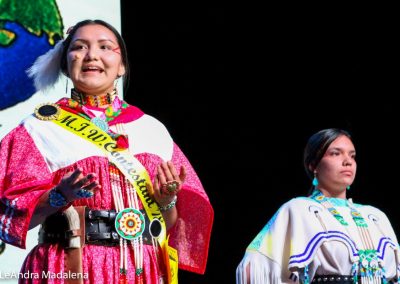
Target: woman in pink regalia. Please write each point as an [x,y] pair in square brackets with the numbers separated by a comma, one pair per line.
[116,198]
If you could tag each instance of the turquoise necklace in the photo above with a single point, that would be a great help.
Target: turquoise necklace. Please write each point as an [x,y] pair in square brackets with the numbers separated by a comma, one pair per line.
[368,267]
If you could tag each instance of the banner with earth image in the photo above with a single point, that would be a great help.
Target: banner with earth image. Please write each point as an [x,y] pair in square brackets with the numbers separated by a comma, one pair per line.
[29,29]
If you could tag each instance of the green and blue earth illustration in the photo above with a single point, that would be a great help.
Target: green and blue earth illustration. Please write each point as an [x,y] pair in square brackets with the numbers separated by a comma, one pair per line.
[28,29]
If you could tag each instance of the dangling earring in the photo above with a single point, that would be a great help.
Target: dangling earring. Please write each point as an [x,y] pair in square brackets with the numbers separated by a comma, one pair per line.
[116,81]
[315,180]
[66,87]
[348,187]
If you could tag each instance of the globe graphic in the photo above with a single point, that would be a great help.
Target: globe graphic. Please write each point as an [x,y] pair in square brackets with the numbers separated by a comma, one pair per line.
[28,29]
[15,85]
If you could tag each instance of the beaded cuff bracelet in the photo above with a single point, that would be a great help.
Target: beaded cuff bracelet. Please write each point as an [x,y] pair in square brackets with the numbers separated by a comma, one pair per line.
[56,199]
[169,205]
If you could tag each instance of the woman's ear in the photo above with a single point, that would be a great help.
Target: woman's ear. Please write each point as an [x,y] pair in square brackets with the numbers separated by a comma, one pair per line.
[121,70]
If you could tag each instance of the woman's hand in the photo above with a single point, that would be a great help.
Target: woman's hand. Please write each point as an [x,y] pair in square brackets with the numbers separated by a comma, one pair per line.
[72,186]
[167,182]
[75,185]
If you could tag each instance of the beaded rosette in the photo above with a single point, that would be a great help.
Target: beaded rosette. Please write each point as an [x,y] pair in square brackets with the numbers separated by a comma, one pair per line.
[130,223]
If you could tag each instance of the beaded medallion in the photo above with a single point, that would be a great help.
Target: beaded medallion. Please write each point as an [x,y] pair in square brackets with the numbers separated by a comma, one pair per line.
[130,223]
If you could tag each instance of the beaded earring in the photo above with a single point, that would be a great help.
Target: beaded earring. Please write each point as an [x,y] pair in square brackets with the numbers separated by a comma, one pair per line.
[348,187]
[315,180]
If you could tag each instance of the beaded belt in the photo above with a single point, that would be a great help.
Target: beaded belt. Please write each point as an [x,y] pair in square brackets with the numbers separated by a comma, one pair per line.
[99,229]
[333,279]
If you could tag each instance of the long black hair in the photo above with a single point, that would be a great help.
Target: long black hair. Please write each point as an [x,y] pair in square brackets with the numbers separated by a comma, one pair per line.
[121,43]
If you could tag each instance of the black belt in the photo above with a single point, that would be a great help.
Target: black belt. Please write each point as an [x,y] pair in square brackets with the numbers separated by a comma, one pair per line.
[333,279]
[339,279]
[99,228]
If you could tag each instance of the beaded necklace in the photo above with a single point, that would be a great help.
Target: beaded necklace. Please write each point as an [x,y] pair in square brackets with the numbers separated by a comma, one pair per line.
[80,104]
[369,267]
[130,222]
[130,225]
[97,101]
[114,105]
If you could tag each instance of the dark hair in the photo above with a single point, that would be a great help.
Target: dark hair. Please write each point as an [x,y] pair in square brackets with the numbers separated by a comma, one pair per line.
[121,43]
[317,145]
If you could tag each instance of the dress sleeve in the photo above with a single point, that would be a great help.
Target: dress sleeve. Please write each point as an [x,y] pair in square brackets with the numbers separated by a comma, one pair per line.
[191,233]
[392,241]
[386,226]
[24,177]
[266,258]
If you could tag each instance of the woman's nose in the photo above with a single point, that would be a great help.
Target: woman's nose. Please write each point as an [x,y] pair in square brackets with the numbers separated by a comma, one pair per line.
[91,54]
[347,161]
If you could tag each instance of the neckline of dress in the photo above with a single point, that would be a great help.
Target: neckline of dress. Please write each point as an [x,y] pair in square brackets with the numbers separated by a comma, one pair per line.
[335,201]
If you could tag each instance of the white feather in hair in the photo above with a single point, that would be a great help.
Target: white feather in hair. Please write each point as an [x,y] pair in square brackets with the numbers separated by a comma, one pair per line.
[46,69]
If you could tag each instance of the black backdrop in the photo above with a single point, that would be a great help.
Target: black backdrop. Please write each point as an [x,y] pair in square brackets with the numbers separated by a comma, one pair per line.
[242,88]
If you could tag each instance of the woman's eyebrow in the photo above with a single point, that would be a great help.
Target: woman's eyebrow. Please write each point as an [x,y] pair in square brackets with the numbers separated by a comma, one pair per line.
[86,41]
[340,149]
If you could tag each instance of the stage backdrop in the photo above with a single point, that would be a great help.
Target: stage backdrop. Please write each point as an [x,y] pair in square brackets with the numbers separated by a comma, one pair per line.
[27,30]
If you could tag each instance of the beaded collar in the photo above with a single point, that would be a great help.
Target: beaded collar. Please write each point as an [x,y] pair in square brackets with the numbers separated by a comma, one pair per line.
[95,101]
[85,105]
[369,266]
[101,117]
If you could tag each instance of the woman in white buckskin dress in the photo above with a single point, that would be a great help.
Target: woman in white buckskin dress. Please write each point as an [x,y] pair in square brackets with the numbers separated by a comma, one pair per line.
[325,237]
